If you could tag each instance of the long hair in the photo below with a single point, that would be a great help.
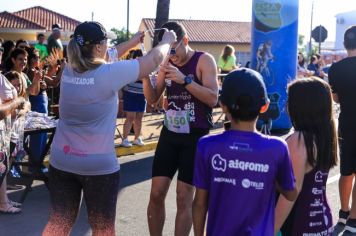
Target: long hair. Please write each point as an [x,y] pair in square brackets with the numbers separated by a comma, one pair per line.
[302,62]
[12,75]
[32,54]
[82,59]
[14,53]
[310,110]
[228,51]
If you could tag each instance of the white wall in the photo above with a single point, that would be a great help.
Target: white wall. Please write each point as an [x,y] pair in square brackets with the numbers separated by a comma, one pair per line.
[343,21]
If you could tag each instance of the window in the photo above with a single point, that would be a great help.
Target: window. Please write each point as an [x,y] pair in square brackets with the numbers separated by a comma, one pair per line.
[242,58]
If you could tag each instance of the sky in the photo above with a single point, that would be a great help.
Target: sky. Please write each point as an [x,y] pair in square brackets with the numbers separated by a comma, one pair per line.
[113,13]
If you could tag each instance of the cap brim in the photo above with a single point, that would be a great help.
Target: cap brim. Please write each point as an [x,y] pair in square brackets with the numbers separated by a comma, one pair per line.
[111,35]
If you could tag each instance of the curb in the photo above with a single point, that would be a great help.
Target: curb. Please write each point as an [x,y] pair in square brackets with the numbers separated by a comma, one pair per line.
[124,151]
[150,146]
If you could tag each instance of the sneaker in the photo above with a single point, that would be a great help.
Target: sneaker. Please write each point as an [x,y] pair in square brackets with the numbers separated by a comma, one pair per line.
[126,143]
[14,172]
[343,215]
[138,142]
[350,226]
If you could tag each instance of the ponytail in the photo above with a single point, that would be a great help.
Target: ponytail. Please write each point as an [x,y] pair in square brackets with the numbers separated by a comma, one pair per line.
[81,59]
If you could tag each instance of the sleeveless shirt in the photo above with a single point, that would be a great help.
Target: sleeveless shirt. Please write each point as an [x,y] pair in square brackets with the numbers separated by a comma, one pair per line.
[180,99]
[311,214]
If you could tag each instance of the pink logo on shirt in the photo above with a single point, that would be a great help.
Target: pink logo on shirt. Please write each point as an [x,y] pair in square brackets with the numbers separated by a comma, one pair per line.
[66,149]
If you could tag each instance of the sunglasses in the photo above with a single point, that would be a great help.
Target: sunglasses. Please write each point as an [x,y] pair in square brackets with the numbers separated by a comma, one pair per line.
[173,51]
[1,49]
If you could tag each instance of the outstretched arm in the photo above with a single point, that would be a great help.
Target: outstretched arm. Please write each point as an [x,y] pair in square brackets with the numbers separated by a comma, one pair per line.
[122,48]
[155,57]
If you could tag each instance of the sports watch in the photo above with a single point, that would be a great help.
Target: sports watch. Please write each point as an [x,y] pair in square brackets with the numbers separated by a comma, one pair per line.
[188,80]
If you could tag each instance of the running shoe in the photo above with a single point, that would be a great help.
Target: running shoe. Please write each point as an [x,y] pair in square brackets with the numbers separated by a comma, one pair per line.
[343,215]
[138,142]
[340,226]
[350,226]
[126,143]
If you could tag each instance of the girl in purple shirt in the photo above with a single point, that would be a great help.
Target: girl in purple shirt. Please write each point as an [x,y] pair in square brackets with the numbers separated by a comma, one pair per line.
[313,150]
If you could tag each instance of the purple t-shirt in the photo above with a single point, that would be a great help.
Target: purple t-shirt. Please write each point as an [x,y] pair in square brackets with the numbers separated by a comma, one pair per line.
[240,170]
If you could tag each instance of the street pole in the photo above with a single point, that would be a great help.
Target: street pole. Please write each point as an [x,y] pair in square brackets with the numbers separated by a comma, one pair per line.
[311,27]
[128,19]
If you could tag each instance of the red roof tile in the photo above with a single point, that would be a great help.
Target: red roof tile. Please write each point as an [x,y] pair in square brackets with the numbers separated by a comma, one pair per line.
[207,31]
[9,20]
[47,18]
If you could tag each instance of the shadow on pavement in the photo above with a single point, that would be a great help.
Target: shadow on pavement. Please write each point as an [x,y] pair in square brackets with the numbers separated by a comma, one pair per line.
[135,171]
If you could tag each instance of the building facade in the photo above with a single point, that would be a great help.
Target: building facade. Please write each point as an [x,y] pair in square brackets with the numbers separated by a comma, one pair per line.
[210,36]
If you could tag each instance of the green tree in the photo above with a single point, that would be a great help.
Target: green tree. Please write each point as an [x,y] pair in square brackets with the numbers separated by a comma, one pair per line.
[301,39]
[121,36]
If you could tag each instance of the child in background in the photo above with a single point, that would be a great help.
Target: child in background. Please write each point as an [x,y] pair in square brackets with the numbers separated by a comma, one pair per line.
[313,150]
[237,172]
[134,108]
[18,121]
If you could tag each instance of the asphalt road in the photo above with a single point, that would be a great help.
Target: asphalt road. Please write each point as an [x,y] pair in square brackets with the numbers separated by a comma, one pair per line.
[131,209]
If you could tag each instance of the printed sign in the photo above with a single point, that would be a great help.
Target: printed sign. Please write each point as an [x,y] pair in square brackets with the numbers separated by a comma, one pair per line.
[274,52]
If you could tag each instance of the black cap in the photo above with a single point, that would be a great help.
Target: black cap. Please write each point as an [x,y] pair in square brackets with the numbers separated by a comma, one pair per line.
[243,85]
[56,26]
[91,32]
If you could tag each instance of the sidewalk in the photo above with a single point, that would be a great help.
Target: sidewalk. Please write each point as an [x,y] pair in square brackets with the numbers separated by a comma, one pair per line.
[151,128]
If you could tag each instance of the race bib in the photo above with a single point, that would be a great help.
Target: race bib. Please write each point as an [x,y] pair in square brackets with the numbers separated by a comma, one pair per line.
[177,121]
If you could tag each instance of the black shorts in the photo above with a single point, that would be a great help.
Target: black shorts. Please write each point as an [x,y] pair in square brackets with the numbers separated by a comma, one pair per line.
[99,191]
[347,150]
[176,152]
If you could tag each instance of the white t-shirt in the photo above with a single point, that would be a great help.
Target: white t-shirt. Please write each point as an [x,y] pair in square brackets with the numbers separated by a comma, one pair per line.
[88,105]
[7,93]
[7,90]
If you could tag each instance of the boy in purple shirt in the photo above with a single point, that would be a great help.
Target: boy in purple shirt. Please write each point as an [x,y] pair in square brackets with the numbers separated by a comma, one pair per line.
[237,172]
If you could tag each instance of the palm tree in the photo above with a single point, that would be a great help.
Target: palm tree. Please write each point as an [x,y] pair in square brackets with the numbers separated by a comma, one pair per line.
[162,16]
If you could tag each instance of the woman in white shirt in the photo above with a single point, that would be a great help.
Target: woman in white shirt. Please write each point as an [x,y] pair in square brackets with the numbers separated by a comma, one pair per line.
[83,157]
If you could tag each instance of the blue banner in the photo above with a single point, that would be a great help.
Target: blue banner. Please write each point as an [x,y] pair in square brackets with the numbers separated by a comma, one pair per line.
[274,53]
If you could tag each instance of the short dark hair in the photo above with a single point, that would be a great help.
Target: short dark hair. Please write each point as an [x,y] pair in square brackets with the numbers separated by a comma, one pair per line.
[178,28]
[133,54]
[317,55]
[245,113]
[40,35]
[18,42]
[313,58]
[350,38]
